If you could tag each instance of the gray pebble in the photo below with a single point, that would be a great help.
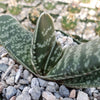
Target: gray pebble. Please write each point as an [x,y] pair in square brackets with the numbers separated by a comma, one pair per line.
[13,73]
[26,89]
[3,67]
[35,92]
[25,74]
[42,82]
[4,60]
[18,74]
[10,91]
[63,91]
[24,96]
[34,82]
[53,84]
[23,81]
[82,96]
[51,88]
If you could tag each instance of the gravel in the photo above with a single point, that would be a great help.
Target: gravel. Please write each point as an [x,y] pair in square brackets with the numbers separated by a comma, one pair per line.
[17,83]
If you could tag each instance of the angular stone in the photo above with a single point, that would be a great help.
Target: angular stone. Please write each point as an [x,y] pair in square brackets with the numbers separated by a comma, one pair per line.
[72,93]
[25,74]
[48,96]
[34,82]
[82,96]
[10,91]
[63,91]
[3,67]
[23,81]
[35,92]
[42,82]
[10,80]
[26,89]
[24,96]
[51,89]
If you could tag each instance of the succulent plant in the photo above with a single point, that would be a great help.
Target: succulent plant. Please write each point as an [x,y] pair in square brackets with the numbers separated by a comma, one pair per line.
[15,10]
[75,66]
[74,8]
[69,22]
[49,5]
[34,15]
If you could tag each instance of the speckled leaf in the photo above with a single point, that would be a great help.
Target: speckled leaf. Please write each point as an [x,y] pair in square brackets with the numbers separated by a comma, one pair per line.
[77,61]
[45,51]
[89,80]
[16,40]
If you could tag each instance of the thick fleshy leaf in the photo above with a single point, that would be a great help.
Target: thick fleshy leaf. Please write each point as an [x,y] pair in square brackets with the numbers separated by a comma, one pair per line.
[16,40]
[77,61]
[91,80]
[44,45]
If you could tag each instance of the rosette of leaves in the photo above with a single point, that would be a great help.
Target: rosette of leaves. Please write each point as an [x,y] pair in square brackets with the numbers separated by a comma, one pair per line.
[4,6]
[73,8]
[69,22]
[75,66]
[49,5]
[34,15]
[15,10]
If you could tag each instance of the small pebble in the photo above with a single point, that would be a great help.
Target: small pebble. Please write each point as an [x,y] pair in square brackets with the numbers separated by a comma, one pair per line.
[53,84]
[4,60]
[3,67]
[24,96]
[42,83]
[63,91]
[10,91]
[25,74]
[82,96]
[72,94]
[10,80]
[26,89]
[18,74]
[34,82]
[48,96]
[23,81]
[51,88]
[35,92]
